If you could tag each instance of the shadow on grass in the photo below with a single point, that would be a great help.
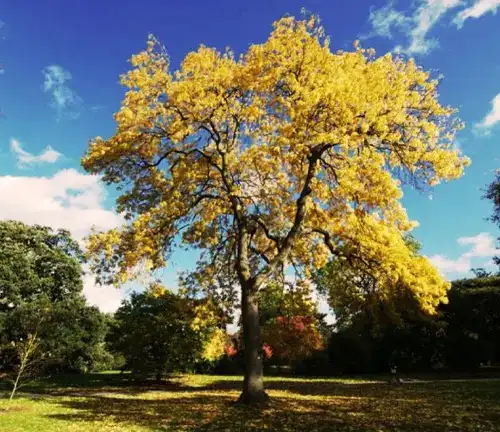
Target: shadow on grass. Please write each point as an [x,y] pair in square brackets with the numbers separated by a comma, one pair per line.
[216,413]
[298,406]
[90,383]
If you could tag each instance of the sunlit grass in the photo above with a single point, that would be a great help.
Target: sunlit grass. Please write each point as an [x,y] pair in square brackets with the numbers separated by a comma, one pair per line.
[108,402]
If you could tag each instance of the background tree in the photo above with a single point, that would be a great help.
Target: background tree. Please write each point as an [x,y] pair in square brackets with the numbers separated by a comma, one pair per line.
[462,336]
[36,262]
[377,326]
[292,339]
[493,194]
[210,322]
[473,323]
[352,290]
[284,155]
[154,332]
[290,323]
[41,270]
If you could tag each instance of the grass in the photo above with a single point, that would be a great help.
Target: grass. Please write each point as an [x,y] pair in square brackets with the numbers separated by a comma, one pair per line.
[111,402]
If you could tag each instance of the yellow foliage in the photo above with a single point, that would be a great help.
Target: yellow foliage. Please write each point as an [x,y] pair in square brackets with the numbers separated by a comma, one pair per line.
[205,316]
[213,349]
[291,148]
[156,290]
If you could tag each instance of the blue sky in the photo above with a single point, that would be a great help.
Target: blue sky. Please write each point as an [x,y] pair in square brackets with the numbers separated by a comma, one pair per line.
[59,88]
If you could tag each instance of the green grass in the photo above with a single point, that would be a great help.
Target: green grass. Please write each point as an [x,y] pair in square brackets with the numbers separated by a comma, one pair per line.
[111,402]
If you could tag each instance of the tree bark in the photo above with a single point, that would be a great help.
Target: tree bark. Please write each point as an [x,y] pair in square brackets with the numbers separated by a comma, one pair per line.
[253,385]
[159,377]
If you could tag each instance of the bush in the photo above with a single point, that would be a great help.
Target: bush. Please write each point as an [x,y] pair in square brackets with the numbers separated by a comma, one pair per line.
[318,364]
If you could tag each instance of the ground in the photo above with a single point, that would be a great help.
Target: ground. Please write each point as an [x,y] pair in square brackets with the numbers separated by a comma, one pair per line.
[110,402]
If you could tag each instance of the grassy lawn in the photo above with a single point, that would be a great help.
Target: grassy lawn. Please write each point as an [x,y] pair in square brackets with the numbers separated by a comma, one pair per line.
[109,402]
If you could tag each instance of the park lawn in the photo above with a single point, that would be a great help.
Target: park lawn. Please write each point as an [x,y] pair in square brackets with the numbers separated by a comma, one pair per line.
[107,402]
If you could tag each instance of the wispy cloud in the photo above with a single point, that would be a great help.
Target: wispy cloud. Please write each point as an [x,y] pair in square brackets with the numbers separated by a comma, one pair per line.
[477,10]
[386,20]
[426,17]
[65,100]
[490,119]
[480,246]
[26,159]
[447,265]
[416,24]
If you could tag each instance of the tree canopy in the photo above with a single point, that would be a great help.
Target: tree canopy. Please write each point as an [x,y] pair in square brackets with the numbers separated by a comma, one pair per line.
[493,194]
[290,323]
[41,290]
[159,332]
[352,290]
[287,154]
[36,262]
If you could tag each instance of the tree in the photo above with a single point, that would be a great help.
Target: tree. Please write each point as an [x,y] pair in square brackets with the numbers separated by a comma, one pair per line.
[36,262]
[154,332]
[76,335]
[352,291]
[285,155]
[40,270]
[210,322]
[377,326]
[472,323]
[28,355]
[463,335]
[289,322]
[493,194]
[292,339]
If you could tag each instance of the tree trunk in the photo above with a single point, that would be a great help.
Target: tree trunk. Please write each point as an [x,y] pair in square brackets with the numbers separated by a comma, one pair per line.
[253,385]
[159,377]
[16,383]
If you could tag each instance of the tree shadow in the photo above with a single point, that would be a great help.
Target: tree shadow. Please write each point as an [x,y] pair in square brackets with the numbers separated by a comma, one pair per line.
[302,406]
[308,387]
[96,383]
[212,413]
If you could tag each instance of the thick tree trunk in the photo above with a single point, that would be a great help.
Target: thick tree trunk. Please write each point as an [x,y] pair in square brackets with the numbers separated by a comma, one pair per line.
[253,385]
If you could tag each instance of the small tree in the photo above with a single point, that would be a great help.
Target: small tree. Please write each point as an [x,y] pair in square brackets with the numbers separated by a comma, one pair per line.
[27,352]
[289,321]
[292,339]
[28,356]
[285,155]
[153,331]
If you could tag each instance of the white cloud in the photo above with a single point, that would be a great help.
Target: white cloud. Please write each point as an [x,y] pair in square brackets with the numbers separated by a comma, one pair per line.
[481,245]
[107,298]
[64,99]
[447,265]
[492,118]
[386,19]
[24,158]
[69,200]
[477,10]
[415,26]
[417,23]
[426,17]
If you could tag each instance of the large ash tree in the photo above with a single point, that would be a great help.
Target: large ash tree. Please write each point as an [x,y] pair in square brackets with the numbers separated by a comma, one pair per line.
[284,156]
